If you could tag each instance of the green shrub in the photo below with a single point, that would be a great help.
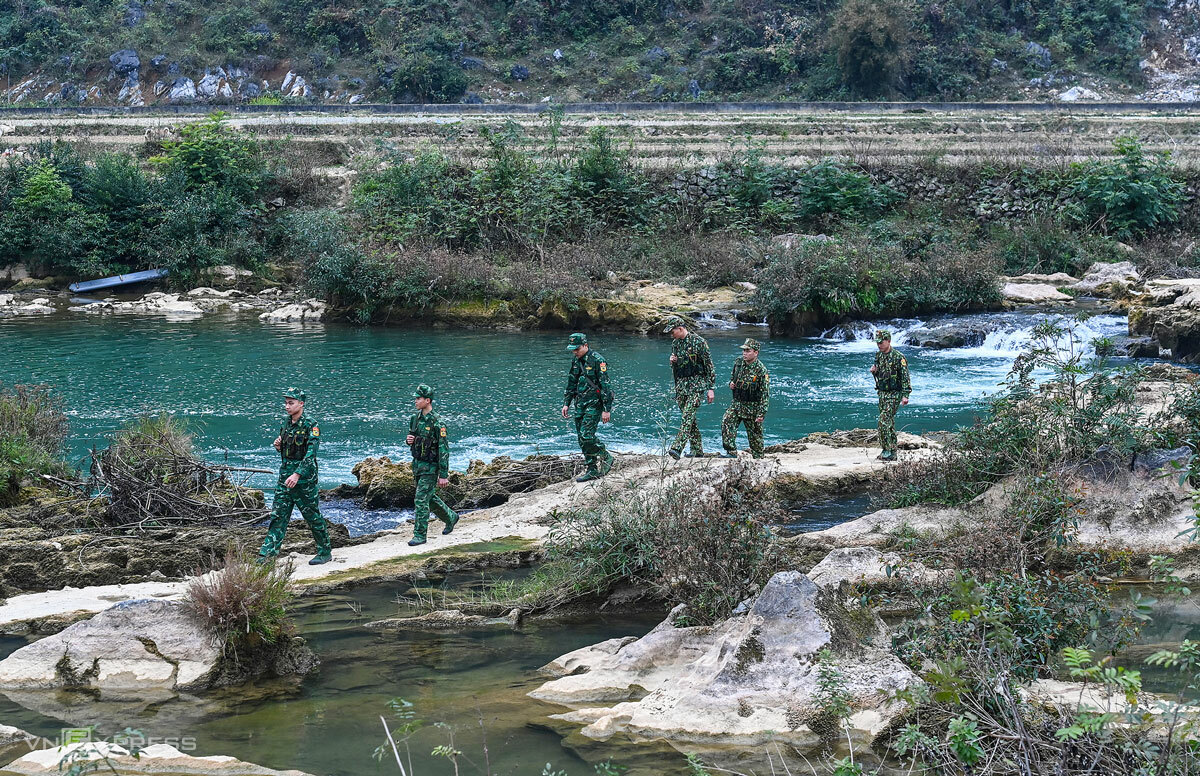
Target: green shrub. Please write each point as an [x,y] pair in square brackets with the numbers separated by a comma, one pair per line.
[868,39]
[859,275]
[211,157]
[1131,194]
[33,429]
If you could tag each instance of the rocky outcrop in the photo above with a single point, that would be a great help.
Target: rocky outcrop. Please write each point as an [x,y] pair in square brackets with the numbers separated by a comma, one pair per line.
[156,759]
[144,645]
[307,311]
[12,305]
[132,646]
[1016,294]
[1111,280]
[1168,312]
[383,483]
[950,335]
[744,682]
[15,742]
[156,303]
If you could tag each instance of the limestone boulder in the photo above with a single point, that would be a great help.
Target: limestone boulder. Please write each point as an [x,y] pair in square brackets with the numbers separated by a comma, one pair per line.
[142,644]
[1057,279]
[107,757]
[307,311]
[1111,280]
[1016,293]
[156,303]
[744,682]
[868,567]
[1174,328]
[15,742]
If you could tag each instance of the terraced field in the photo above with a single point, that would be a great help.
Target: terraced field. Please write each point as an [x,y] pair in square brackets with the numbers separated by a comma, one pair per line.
[667,139]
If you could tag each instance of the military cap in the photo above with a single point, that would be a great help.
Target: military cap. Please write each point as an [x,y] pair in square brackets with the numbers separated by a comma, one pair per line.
[751,344]
[576,341]
[673,322]
[883,334]
[295,393]
[424,391]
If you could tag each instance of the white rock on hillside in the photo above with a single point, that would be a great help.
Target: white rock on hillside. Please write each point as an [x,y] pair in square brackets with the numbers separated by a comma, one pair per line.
[1032,293]
[139,644]
[156,303]
[743,682]
[1111,280]
[310,310]
[154,759]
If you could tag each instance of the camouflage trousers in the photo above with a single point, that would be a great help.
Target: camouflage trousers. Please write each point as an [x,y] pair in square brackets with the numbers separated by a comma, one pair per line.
[889,403]
[735,416]
[305,496]
[689,430]
[427,497]
[586,420]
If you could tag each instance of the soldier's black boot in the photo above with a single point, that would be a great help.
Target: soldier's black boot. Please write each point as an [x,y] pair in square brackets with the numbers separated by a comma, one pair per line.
[674,453]
[450,526]
[606,464]
[588,476]
[415,542]
[729,454]
[320,559]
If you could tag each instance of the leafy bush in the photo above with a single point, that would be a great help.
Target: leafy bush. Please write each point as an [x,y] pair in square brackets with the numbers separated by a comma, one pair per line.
[209,157]
[245,603]
[868,39]
[1131,194]
[828,280]
[1044,245]
[33,428]
[707,547]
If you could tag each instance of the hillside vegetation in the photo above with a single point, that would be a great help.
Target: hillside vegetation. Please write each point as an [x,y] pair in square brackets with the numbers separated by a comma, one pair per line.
[524,50]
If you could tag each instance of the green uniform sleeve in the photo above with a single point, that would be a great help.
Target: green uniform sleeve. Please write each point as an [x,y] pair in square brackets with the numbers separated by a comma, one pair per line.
[905,383]
[308,466]
[443,451]
[572,383]
[710,371]
[606,393]
[765,401]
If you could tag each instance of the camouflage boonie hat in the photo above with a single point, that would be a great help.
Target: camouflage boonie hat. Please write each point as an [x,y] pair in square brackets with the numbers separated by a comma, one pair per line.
[295,393]
[751,344]
[672,322]
[883,334]
[577,340]
[424,391]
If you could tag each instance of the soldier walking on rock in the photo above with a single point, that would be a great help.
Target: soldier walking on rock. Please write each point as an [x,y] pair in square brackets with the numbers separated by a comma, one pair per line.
[588,388]
[893,385]
[751,386]
[695,376]
[430,466]
[297,484]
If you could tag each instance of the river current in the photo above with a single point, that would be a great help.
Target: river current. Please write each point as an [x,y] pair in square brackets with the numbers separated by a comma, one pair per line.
[498,392]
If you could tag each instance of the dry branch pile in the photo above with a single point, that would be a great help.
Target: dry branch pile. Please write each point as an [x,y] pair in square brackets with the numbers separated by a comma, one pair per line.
[151,476]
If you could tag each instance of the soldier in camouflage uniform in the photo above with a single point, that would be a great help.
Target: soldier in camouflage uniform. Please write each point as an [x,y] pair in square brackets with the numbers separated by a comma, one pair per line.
[430,466]
[297,484]
[751,386]
[695,376]
[892,383]
[589,390]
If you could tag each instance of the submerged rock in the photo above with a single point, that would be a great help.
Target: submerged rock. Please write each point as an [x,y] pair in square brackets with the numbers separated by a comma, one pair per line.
[104,756]
[951,335]
[749,680]
[308,311]
[447,620]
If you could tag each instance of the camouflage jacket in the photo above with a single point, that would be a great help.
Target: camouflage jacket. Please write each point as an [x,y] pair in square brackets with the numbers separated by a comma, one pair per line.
[693,368]
[587,383]
[891,373]
[431,451]
[751,387]
[298,446]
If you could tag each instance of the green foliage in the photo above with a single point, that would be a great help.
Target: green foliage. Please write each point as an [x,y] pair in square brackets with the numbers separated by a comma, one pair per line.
[209,157]
[33,428]
[861,275]
[1046,245]
[868,39]
[1131,194]
[963,738]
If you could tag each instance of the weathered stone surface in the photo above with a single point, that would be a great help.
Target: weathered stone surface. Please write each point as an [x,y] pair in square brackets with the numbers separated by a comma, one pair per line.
[744,682]
[156,303]
[15,742]
[447,620]
[1115,280]
[869,567]
[133,645]
[1032,293]
[308,311]
[1057,280]
[1175,328]
[155,759]
[953,335]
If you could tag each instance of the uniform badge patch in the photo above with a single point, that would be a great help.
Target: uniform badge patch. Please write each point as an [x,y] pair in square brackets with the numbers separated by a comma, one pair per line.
[316,431]
[603,367]
[443,432]
[903,362]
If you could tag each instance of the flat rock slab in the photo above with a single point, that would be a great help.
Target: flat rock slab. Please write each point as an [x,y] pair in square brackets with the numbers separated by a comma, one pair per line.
[133,645]
[162,759]
[843,464]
